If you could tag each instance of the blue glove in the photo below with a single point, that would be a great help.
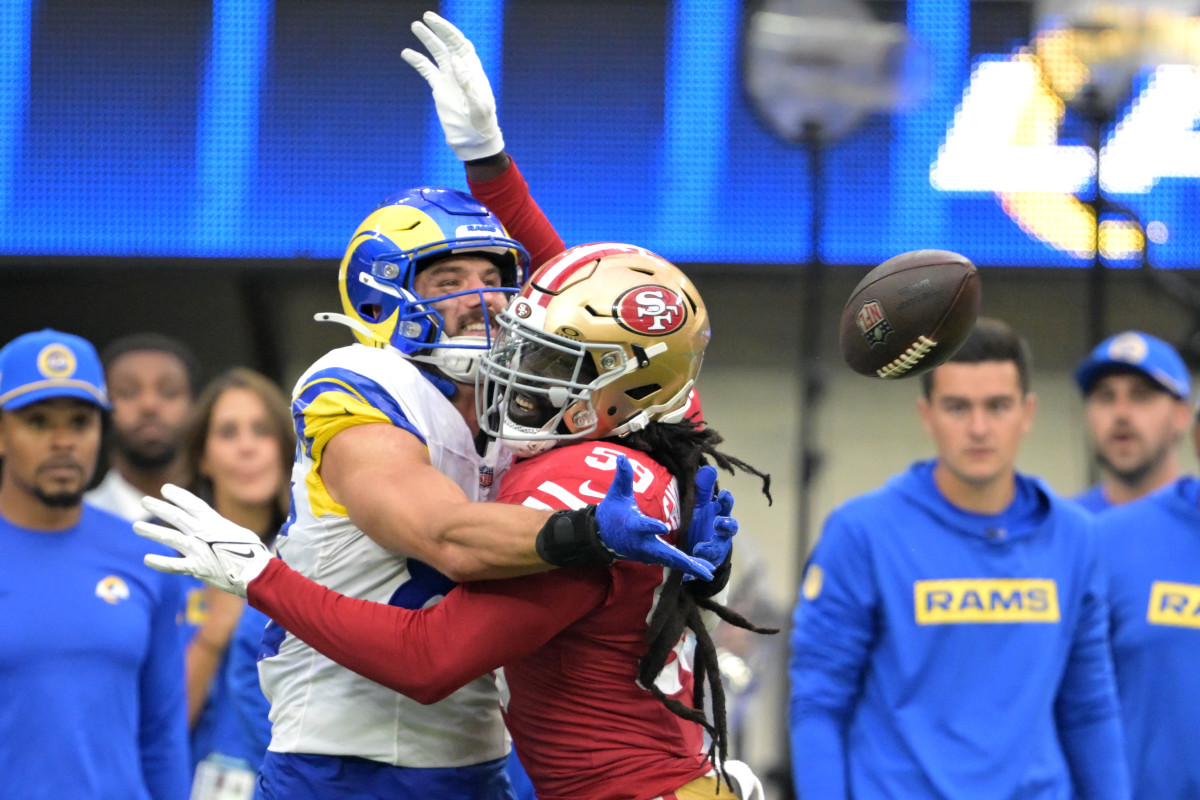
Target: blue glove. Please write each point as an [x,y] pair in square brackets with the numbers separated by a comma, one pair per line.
[630,535]
[710,535]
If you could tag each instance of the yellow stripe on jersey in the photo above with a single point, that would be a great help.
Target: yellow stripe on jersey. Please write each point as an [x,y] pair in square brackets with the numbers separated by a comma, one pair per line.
[704,788]
[330,413]
[332,400]
[197,607]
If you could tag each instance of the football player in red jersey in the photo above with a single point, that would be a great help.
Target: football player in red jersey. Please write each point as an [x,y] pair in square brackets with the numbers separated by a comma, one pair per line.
[589,380]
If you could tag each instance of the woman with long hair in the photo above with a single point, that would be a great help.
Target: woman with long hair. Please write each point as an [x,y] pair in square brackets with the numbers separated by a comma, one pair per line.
[238,448]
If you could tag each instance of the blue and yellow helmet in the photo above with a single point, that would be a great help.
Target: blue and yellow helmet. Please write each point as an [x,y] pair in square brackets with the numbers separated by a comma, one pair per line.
[404,234]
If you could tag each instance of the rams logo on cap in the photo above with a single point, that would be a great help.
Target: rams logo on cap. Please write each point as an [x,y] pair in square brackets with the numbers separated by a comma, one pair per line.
[1128,347]
[56,361]
[112,589]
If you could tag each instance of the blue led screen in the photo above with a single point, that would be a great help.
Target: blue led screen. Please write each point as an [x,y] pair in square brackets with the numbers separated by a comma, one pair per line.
[259,129]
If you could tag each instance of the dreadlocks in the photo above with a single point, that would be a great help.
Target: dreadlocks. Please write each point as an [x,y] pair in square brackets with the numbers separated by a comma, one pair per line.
[682,448]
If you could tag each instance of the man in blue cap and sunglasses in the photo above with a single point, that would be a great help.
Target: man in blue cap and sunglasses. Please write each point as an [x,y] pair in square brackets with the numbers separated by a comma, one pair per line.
[91,659]
[1135,388]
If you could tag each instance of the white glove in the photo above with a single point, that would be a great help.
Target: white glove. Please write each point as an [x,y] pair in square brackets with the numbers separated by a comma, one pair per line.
[462,95]
[215,550]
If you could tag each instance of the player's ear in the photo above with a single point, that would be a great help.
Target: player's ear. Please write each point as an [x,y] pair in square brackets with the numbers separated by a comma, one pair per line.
[924,411]
[1183,417]
[1030,411]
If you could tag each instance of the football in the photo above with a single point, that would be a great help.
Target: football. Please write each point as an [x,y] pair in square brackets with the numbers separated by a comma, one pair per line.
[910,314]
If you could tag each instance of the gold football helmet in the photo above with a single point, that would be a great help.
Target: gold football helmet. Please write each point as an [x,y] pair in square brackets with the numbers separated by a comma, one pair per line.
[604,339]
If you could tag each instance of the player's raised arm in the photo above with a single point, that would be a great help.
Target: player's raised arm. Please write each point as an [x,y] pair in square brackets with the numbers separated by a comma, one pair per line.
[466,108]
[463,95]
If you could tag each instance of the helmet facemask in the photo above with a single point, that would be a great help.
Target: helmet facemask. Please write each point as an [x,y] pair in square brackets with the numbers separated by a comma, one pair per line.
[604,340]
[457,356]
[537,387]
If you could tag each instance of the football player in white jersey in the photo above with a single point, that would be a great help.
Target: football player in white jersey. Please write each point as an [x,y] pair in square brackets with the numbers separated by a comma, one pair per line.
[386,472]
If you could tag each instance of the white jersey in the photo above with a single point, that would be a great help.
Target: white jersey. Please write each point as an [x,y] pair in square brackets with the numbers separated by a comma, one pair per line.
[118,496]
[317,706]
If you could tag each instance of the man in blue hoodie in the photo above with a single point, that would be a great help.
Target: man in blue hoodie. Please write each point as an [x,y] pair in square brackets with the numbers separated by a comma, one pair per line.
[1152,551]
[950,639]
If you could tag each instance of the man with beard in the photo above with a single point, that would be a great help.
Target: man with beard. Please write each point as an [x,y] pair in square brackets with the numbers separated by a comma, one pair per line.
[1153,558]
[152,380]
[1136,390]
[91,660]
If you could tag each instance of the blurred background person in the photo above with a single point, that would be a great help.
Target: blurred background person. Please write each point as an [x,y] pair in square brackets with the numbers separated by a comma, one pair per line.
[1135,389]
[152,379]
[238,447]
[1152,553]
[747,661]
[91,667]
[950,638]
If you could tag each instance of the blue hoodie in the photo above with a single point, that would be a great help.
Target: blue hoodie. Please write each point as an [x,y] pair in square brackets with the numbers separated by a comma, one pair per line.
[1093,499]
[939,653]
[1152,552]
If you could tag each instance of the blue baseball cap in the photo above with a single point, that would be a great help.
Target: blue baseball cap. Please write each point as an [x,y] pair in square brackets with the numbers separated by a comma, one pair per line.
[48,364]
[1139,352]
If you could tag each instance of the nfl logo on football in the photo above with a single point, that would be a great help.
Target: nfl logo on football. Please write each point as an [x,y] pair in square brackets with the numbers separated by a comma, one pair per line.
[873,324]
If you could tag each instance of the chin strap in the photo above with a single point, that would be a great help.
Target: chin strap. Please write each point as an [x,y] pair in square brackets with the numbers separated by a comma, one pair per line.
[523,447]
[670,411]
[459,363]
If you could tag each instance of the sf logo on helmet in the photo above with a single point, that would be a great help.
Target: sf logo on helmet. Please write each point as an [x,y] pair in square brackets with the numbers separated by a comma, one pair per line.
[651,310]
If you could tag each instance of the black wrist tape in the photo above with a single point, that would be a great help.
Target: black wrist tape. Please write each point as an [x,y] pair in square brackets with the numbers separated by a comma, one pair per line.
[498,160]
[719,580]
[571,539]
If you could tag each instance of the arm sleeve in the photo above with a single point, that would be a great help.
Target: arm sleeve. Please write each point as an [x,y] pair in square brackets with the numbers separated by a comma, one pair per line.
[428,654]
[1087,710]
[507,195]
[163,730]
[832,634]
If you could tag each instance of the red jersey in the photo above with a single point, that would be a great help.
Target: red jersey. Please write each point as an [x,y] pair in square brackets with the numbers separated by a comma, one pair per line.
[569,642]
[582,725]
